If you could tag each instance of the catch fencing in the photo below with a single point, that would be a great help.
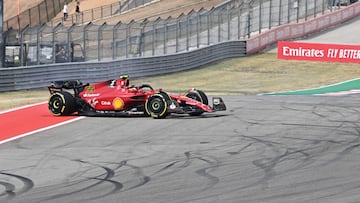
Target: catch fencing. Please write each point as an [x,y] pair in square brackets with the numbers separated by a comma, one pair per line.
[232,20]
[20,78]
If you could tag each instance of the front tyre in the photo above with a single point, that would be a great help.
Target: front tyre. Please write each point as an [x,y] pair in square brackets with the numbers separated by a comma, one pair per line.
[156,106]
[61,103]
[199,96]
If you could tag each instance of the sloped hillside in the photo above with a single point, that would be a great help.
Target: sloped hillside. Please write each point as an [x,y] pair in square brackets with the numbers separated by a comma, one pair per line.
[11,6]
[161,8]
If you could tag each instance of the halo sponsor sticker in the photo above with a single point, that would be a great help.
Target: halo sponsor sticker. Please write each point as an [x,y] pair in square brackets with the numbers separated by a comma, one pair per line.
[118,103]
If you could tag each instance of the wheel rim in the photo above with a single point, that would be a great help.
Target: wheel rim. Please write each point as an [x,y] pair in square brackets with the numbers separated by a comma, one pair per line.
[157,105]
[56,104]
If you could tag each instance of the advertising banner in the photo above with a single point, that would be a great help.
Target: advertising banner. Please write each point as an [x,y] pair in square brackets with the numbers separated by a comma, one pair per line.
[319,52]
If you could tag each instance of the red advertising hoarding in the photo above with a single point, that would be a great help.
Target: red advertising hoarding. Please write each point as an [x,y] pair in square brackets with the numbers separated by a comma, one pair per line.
[319,52]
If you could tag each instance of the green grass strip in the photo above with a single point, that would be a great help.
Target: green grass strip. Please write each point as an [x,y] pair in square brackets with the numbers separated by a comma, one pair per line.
[339,87]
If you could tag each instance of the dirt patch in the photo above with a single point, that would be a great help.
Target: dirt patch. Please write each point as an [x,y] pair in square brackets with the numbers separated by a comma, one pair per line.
[152,11]
[11,7]
[162,9]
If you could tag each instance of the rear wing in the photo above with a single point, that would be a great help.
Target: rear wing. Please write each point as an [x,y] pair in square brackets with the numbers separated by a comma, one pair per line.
[59,85]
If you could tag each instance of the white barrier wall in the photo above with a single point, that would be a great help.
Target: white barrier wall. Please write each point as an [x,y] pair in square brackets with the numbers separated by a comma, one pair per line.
[296,30]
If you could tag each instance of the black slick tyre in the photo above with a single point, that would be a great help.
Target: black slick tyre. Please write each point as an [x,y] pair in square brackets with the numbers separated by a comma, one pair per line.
[156,106]
[61,103]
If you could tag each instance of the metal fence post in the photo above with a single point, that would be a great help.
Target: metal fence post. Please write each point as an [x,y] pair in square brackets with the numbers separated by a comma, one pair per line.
[228,22]
[100,29]
[187,33]
[289,13]
[208,28]
[39,30]
[219,26]
[54,30]
[142,37]
[297,11]
[280,12]
[154,36]
[177,25]
[260,15]
[270,14]
[165,35]
[84,38]
[238,23]
[127,41]
[198,30]
[306,10]
[249,21]
[115,28]
[22,48]
[68,39]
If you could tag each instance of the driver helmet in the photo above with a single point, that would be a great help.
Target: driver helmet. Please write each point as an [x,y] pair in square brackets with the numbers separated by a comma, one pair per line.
[125,82]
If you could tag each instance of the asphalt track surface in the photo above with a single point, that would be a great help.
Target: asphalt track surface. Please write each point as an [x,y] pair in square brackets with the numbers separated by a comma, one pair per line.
[262,149]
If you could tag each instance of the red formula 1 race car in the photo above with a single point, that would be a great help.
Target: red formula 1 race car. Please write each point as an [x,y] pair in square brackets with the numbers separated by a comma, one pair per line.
[118,98]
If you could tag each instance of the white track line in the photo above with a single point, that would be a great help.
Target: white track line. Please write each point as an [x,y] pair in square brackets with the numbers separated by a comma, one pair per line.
[41,129]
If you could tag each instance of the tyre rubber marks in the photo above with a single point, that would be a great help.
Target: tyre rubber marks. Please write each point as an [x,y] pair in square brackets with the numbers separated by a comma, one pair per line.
[10,189]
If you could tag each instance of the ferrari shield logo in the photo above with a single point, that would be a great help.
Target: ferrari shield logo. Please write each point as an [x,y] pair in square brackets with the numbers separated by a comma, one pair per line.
[118,103]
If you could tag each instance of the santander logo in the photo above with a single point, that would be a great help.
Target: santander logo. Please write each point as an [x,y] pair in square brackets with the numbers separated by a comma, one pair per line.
[319,52]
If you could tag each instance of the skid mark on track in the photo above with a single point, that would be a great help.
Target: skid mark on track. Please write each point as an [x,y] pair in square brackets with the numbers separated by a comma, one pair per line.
[100,179]
[177,166]
[140,176]
[10,189]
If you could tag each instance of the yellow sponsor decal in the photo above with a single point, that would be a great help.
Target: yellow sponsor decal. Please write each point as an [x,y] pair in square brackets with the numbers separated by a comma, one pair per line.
[118,103]
[89,88]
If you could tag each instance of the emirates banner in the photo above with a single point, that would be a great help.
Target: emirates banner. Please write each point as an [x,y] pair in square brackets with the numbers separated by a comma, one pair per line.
[319,52]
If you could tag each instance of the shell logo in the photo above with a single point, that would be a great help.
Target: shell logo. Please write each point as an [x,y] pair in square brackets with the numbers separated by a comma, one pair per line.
[118,103]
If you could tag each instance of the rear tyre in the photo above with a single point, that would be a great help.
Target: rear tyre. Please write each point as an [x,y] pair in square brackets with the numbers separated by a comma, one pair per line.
[200,96]
[61,103]
[156,106]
